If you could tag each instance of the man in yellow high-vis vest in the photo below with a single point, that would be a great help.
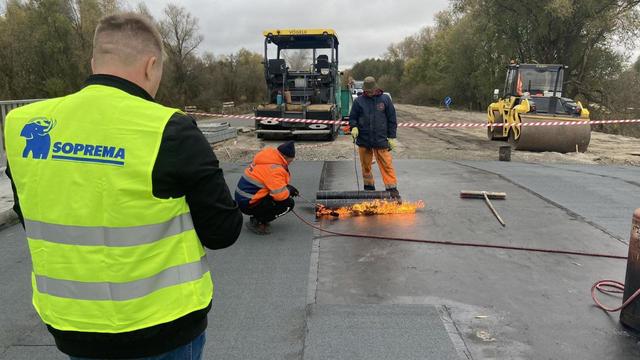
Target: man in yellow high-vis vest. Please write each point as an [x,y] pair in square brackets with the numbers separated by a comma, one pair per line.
[118,195]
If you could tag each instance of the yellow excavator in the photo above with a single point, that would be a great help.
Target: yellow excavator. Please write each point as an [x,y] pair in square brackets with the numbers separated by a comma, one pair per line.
[533,93]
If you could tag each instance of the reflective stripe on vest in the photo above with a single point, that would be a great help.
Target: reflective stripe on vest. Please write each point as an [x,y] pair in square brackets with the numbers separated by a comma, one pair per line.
[252,181]
[278,191]
[122,291]
[244,194]
[107,255]
[108,236]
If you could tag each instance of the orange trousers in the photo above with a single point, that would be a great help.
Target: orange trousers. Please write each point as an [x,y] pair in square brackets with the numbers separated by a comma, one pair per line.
[385,163]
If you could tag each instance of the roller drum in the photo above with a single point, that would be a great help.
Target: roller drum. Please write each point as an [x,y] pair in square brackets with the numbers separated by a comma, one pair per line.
[558,138]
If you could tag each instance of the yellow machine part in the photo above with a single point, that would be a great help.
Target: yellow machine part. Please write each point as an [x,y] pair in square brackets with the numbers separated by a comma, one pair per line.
[294,32]
[561,138]
[499,113]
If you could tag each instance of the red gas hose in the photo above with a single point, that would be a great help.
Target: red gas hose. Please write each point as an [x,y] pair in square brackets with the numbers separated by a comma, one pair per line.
[611,287]
[604,286]
[454,243]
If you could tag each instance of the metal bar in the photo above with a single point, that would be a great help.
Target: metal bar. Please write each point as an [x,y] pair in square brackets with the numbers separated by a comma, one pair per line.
[355,165]
[3,113]
[22,102]
[333,58]
[3,151]
[353,195]
[493,210]
[555,85]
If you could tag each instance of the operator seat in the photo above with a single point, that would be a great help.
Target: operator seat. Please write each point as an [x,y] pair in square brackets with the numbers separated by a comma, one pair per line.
[323,92]
[276,77]
[277,70]
[322,62]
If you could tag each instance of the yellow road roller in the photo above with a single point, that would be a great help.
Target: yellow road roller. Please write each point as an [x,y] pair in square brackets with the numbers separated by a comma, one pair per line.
[533,94]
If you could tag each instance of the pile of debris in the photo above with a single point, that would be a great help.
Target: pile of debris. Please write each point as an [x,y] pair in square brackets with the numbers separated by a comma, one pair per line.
[218,132]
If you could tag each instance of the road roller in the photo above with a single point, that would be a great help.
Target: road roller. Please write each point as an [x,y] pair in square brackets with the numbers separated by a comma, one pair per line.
[533,94]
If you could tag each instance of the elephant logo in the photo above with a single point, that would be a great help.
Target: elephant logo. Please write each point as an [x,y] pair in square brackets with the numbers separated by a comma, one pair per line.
[36,131]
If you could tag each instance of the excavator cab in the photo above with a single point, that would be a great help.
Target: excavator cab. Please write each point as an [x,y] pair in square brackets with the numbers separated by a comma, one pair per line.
[303,82]
[533,94]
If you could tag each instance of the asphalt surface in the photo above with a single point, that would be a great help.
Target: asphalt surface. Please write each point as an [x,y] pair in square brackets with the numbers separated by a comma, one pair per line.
[259,307]
[300,294]
[505,304]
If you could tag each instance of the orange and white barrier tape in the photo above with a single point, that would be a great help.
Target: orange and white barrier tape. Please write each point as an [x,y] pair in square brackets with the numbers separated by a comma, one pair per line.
[251,117]
[427,125]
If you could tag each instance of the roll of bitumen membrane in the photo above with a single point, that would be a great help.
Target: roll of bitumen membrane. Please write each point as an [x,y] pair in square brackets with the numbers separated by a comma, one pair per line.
[338,203]
[361,195]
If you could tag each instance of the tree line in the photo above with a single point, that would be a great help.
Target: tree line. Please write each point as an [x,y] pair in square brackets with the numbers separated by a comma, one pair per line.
[45,51]
[464,55]
[45,48]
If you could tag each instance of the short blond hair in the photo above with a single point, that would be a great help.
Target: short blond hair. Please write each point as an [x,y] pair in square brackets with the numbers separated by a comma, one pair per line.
[125,37]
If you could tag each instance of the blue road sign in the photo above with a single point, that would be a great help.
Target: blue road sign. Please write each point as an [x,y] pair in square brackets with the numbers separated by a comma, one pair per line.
[447,101]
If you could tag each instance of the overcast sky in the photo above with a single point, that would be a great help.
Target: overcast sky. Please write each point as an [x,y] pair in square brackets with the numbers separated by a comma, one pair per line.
[365,28]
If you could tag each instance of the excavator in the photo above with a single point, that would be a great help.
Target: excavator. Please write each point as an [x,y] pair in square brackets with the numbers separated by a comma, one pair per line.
[533,93]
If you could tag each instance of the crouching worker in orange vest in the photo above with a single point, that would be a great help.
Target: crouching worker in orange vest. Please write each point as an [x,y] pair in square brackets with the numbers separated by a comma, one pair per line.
[263,191]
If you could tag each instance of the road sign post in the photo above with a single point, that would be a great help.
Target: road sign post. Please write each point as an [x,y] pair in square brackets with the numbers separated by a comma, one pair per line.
[447,102]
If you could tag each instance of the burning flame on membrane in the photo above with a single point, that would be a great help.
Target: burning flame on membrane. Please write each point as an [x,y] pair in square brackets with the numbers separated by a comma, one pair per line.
[373,207]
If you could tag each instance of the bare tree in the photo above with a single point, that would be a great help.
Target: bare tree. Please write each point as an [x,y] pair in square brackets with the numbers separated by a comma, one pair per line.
[297,59]
[179,30]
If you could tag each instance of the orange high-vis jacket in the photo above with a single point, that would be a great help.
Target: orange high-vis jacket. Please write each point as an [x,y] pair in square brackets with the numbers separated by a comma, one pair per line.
[268,174]
[519,85]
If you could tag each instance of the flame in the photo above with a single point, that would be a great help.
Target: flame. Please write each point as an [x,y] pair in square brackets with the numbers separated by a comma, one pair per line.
[374,207]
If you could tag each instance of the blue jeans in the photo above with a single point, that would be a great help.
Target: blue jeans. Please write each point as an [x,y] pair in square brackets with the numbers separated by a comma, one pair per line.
[190,351]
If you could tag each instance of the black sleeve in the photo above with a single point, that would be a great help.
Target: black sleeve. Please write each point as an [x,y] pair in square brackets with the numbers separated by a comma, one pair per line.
[288,202]
[16,202]
[187,166]
[354,115]
[392,122]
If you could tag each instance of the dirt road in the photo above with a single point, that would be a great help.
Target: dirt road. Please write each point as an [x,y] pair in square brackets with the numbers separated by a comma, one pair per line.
[442,144]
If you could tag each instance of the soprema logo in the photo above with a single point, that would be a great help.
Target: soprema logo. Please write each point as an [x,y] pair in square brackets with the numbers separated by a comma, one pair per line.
[36,131]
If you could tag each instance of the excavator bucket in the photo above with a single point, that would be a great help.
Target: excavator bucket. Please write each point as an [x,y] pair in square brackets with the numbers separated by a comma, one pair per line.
[557,138]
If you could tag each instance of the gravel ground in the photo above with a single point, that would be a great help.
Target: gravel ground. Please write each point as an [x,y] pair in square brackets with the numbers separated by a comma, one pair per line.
[441,144]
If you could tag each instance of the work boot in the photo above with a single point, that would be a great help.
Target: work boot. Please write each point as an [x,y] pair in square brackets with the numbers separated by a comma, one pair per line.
[369,188]
[257,227]
[395,194]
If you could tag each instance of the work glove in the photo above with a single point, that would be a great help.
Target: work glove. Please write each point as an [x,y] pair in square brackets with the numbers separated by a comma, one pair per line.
[392,144]
[354,133]
[293,192]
